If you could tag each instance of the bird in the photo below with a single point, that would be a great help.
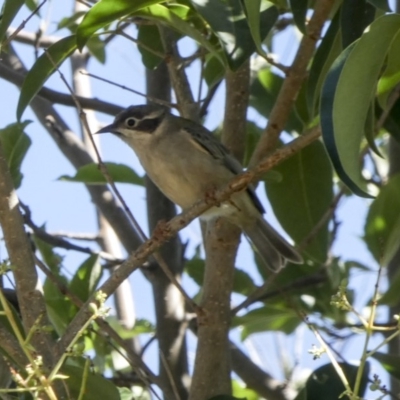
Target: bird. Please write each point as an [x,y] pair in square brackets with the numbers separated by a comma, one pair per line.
[185,161]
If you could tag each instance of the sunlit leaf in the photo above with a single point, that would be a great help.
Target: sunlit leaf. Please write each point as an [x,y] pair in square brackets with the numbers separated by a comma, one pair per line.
[103,13]
[382,4]
[97,49]
[171,18]
[86,278]
[391,76]
[382,227]
[267,318]
[95,386]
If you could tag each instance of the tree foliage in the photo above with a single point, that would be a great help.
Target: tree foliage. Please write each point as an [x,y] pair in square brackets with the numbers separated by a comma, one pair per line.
[315,132]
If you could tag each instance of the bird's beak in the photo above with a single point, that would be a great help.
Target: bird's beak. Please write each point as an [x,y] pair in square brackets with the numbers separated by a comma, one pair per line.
[107,129]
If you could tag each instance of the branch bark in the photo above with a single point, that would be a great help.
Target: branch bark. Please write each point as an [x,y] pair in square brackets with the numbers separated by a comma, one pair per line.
[168,301]
[212,368]
[29,289]
[292,84]
[169,229]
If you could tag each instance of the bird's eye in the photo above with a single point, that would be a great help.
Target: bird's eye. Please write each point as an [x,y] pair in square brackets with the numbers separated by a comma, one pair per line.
[130,122]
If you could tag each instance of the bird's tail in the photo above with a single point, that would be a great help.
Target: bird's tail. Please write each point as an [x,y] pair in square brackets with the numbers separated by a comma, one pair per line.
[270,245]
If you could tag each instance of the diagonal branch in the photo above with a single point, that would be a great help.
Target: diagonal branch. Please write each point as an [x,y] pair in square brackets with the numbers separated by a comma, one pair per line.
[170,229]
[292,84]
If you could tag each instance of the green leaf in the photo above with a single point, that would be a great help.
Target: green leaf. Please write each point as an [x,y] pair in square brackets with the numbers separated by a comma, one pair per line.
[369,129]
[60,310]
[303,196]
[242,282]
[86,278]
[239,391]
[103,13]
[149,38]
[43,69]
[355,16]
[50,257]
[226,397]
[228,21]
[70,22]
[390,362]
[382,227]
[32,5]
[141,326]
[261,17]
[91,174]
[214,71]
[96,48]
[392,122]
[324,382]
[267,318]
[263,93]
[15,144]
[391,77]
[381,4]
[347,94]
[299,9]
[160,13]
[391,295]
[95,386]
[327,51]
[9,11]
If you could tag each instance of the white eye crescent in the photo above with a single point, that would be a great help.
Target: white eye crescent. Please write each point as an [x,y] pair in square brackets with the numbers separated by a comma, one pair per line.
[130,122]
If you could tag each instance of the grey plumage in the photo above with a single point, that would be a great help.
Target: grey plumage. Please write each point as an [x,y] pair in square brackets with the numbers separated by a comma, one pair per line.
[185,161]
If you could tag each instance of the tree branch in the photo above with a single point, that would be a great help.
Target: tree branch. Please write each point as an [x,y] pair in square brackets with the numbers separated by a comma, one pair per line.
[188,108]
[292,83]
[169,229]
[221,242]
[29,290]
[168,302]
[17,78]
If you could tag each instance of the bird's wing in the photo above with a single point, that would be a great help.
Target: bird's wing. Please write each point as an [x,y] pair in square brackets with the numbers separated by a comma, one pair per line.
[214,147]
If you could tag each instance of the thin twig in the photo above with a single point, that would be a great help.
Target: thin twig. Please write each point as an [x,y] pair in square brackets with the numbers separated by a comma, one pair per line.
[32,38]
[261,294]
[110,181]
[59,242]
[123,87]
[23,23]
[239,183]
[106,329]
[170,377]
[59,98]
[141,44]
[292,83]
[322,221]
